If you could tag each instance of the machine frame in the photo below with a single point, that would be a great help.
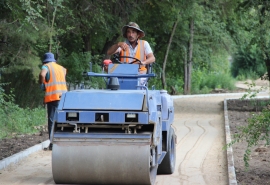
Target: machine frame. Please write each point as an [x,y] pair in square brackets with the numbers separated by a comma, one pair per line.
[120,124]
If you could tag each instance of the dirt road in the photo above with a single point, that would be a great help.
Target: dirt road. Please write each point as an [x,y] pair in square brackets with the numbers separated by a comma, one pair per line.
[199,124]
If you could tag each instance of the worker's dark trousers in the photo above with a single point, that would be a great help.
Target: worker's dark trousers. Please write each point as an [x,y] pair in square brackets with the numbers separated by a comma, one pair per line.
[51,108]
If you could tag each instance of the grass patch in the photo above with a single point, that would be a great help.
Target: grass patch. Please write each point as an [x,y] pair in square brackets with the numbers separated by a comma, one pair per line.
[14,119]
[20,121]
[203,83]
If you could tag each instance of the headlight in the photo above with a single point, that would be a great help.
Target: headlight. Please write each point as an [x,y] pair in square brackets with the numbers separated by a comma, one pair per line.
[72,114]
[131,115]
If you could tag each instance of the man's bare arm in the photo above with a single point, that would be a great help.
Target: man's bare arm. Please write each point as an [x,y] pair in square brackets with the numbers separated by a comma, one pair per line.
[113,49]
[42,76]
[150,58]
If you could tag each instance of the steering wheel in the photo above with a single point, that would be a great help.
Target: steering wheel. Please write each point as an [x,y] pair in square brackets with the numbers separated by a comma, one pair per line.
[116,60]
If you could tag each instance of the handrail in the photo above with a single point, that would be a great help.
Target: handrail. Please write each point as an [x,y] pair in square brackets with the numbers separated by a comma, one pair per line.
[119,75]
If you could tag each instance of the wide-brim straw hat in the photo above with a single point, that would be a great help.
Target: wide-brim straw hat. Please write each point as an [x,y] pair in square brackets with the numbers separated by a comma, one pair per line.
[134,26]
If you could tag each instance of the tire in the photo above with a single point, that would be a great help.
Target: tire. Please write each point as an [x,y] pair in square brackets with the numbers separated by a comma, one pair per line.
[167,165]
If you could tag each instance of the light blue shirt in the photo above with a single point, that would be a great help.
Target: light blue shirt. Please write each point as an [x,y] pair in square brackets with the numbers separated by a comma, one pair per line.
[47,78]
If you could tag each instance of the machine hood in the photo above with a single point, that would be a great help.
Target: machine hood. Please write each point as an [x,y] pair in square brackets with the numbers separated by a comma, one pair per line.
[102,100]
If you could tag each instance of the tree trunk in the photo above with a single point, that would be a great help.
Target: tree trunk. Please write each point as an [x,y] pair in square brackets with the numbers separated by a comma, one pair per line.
[86,42]
[166,55]
[185,72]
[51,32]
[190,51]
[263,43]
[267,63]
[108,44]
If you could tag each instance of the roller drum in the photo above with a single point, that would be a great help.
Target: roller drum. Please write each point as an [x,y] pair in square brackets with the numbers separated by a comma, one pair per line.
[102,161]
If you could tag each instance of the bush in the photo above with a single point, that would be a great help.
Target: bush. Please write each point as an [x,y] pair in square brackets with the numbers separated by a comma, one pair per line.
[241,77]
[76,64]
[256,130]
[18,120]
[26,89]
[248,62]
[203,82]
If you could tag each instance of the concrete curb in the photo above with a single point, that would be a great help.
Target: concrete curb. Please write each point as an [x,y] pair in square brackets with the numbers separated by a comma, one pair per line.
[21,155]
[230,161]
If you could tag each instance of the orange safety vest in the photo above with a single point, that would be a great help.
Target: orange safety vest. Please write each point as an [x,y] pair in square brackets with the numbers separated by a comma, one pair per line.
[140,54]
[56,84]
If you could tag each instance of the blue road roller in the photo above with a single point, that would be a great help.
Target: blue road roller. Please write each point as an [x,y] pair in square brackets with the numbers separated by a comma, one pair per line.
[119,135]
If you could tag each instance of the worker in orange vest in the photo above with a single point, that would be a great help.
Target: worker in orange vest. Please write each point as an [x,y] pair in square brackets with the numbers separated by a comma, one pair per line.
[53,81]
[133,46]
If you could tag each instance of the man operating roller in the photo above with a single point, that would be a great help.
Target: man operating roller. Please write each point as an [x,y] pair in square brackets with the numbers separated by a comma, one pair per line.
[133,46]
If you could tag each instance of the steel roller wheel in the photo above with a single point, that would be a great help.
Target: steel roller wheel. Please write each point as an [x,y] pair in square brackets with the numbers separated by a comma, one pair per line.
[167,165]
[103,161]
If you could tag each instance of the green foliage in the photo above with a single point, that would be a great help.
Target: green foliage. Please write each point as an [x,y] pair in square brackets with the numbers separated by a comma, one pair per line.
[247,74]
[175,84]
[75,27]
[257,130]
[18,120]
[241,77]
[252,91]
[4,98]
[203,82]
[174,79]
[30,9]
[76,64]
[248,62]
[197,77]
[258,127]
[155,81]
[252,20]
[26,88]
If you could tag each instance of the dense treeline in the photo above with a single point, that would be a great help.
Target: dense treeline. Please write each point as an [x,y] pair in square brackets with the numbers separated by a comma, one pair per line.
[192,41]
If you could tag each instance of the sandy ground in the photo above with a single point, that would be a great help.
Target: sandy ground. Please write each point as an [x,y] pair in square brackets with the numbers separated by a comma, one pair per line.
[201,160]
[260,85]
[200,135]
